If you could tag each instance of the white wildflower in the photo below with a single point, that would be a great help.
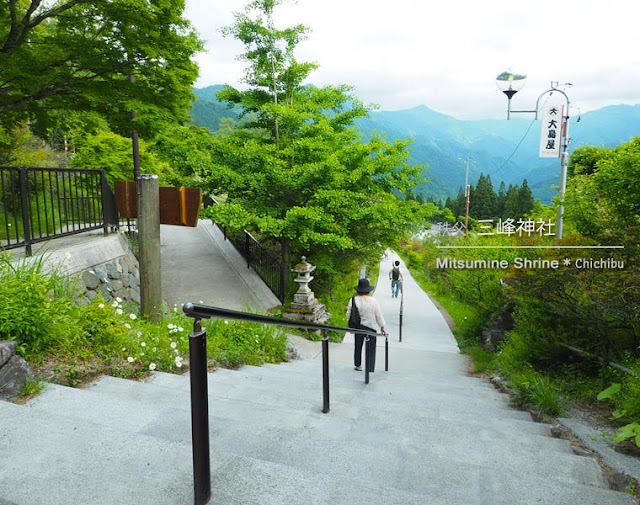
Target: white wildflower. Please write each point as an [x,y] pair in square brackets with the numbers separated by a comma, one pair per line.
[118,299]
[131,359]
[173,345]
[127,325]
[132,316]
[101,305]
[143,344]
[119,312]
[152,366]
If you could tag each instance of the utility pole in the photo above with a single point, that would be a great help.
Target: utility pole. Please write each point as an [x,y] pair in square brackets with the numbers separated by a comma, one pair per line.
[467,192]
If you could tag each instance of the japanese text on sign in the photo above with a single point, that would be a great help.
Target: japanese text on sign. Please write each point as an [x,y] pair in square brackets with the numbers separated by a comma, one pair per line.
[551,132]
[521,227]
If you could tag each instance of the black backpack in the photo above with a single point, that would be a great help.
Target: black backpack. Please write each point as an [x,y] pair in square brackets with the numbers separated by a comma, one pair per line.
[395,274]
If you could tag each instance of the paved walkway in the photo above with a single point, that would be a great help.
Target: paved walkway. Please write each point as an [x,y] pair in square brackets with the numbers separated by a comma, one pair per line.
[427,342]
[199,265]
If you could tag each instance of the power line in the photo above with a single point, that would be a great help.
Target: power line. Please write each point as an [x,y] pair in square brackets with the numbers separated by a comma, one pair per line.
[514,151]
[519,143]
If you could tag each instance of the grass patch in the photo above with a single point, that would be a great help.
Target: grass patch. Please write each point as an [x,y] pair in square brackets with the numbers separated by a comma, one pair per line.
[483,361]
[531,389]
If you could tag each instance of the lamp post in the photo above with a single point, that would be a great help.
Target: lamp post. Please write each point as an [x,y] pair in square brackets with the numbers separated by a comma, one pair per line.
[510,83]
[467,195]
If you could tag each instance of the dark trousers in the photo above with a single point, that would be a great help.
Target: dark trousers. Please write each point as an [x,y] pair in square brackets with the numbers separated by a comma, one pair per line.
[357,355]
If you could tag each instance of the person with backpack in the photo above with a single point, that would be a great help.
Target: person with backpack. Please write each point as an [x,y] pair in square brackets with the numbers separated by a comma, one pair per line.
[395,275]
[367,310]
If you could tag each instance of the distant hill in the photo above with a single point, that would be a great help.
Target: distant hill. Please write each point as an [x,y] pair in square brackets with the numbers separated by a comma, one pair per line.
[207,110]
[442,142]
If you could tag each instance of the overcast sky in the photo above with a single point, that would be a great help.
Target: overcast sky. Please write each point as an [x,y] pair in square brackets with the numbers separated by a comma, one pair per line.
[446,54]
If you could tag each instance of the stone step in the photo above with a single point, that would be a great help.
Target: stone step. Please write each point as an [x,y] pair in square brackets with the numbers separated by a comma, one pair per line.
[290,393]
[313,369]
[380,381]
[54,460]
[49,459]
[447,445]
[148,394]
[154,393]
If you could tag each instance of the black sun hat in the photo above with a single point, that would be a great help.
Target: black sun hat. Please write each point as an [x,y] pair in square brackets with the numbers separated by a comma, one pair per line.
[364,286]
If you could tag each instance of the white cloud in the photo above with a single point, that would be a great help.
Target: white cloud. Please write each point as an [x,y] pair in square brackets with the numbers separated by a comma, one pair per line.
[446,55]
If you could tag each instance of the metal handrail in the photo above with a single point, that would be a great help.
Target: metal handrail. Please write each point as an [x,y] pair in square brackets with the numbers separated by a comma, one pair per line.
[200,389]
[205,312]
[600,359]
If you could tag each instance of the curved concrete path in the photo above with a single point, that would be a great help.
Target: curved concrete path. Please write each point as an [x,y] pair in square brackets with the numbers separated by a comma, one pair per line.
[199,265]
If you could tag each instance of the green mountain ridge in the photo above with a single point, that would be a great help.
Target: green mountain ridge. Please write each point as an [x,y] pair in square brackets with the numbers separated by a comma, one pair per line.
[443,142]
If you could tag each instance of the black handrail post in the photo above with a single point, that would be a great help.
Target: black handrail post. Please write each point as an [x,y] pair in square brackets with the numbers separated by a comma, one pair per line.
[386,354]
[401,310]
[199,413]
[24,200]
[325,372]
[367,345]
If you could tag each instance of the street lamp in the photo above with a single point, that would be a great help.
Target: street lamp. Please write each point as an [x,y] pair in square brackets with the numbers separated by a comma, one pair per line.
[510,83]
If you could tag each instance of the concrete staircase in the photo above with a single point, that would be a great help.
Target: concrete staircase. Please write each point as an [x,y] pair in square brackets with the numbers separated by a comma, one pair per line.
[415,437]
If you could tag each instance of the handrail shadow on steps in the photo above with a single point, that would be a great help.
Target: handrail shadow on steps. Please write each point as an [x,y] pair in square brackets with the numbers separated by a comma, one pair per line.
[200,389]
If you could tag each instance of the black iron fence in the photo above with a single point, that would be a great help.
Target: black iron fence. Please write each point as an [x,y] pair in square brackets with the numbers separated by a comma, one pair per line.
[200,388]
[265,264]
[38,204]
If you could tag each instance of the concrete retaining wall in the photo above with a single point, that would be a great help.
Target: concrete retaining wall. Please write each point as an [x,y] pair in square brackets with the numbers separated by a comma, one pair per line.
[100,265]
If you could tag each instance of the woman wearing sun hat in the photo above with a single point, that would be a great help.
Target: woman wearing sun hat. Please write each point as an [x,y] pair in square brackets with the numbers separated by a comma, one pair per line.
[370,316]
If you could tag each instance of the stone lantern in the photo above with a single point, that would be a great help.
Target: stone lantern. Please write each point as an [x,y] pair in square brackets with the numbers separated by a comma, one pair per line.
[305,307]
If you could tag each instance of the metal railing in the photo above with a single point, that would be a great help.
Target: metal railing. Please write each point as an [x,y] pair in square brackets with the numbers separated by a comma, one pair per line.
[583,353]
[200,388]
[38,204]
[401,312]
[267,266]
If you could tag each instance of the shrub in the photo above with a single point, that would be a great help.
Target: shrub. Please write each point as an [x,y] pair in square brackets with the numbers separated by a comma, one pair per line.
[37,308]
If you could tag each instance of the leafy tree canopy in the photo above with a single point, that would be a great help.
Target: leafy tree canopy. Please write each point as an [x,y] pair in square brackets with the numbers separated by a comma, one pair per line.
[294,167]
[603,197]
[111,152]
[79,55]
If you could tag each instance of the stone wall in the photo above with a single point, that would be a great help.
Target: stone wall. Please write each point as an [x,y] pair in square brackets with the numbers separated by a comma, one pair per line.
[119,278]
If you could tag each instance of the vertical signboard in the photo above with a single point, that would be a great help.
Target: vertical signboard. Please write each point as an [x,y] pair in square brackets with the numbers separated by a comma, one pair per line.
[551,132]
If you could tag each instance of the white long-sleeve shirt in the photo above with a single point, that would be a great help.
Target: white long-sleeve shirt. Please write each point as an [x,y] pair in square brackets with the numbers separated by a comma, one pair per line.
[370,314]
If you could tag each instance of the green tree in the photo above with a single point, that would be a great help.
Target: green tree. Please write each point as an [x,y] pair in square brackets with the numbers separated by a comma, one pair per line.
[79,54]
[295,169]
[525,199]
[501,200]
[112,153]
[603,195]
[512,203]
[484,199]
